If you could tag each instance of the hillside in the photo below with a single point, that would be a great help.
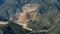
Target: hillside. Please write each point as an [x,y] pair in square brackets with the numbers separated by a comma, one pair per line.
[30,16]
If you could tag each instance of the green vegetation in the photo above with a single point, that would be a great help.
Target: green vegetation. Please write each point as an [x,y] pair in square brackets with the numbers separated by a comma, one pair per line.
[50,20]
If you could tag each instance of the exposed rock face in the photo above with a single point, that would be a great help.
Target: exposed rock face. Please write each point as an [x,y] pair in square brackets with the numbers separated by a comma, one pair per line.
[25,14]
[30,13]
[30,7]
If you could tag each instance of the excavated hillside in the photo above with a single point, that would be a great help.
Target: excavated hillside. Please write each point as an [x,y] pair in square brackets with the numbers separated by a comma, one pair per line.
[29,16]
